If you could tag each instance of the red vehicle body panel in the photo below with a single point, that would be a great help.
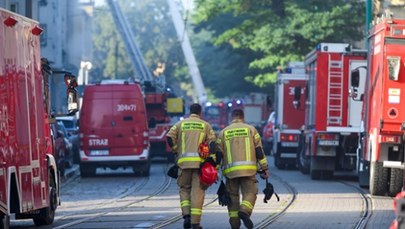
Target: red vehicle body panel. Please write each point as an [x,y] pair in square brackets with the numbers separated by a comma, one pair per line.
[159,123]
[384,112]
[289,118]
[25,137]
[383,109]
[113,125]
[332,118]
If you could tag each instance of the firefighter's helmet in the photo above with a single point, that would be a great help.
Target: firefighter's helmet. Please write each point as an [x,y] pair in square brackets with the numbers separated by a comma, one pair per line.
[208,174]
[204,150]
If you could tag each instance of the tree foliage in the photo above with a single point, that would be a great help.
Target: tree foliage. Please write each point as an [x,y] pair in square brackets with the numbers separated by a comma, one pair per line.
[154,35]
[265,34]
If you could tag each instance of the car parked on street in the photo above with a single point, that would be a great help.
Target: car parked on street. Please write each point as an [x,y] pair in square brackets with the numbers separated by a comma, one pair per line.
[60,146]
[71,124]
[69,147]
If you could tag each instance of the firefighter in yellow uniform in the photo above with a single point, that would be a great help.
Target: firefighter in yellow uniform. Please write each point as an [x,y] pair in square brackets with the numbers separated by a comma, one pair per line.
[242,151]
[185,138]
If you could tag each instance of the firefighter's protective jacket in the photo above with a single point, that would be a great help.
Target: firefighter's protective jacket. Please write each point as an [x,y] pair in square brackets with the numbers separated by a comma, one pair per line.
[238,142]
[187,135]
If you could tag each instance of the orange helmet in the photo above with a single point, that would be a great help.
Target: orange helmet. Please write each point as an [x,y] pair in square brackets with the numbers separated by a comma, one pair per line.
[208,174]
[204,150]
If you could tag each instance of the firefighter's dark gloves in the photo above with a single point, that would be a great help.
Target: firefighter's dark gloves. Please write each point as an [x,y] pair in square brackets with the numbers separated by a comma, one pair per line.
[268,192]
[173,172]
[211,161]
[264,174]
[223,196]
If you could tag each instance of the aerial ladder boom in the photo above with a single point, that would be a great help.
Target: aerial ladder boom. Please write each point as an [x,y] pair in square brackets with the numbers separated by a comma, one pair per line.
[188,52]
[137,60]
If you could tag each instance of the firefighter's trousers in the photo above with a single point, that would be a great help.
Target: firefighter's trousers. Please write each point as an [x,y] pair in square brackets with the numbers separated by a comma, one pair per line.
[191,194]
[249,190]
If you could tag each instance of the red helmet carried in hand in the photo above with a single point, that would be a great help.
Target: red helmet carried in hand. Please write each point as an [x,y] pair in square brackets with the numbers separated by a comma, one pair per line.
[204,150]
[208,174]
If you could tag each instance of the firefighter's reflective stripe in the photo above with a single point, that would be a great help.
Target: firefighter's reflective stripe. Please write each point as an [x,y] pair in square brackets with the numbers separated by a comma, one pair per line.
[201,138]
[240,165]
[247,204]
[185,203]
[247,149]
[196,211]
[233,214]
[228,152]
[257,136]
[263,162]
[190,157]
[183,142]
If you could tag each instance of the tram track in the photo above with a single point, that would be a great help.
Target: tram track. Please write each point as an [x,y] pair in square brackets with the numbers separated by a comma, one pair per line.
[367,205]
[119,202]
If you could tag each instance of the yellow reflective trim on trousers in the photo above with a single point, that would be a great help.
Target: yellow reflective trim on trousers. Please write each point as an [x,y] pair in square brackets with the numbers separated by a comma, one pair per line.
[185,203]
[228,152]
[247,204]
[196,211]
[240,167]
[183,142]
[263,161]
[233,214]
[247,149]
[190,159]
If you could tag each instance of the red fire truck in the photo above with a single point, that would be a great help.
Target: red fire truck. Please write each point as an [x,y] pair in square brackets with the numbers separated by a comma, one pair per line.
[29,181]
[217,114]
[159,107]
[329,137]
[288,117]
[382,146]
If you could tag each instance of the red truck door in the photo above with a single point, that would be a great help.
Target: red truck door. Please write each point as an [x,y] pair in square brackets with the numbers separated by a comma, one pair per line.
[129,119]
[393,86]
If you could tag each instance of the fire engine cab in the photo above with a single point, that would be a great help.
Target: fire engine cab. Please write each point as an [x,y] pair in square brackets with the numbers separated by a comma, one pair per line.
[381,149]
[29,179]
[332,116]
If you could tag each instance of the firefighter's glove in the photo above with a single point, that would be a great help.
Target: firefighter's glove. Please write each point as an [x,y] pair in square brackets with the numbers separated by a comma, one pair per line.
[173,172]
[223,196]
[264,174]
[268,192]
[211,161]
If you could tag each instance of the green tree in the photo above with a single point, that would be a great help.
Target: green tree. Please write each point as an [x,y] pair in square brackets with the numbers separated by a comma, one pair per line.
[275,32]
[154,35]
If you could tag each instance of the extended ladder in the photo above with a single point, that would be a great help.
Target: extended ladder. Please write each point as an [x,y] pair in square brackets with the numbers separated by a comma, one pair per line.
[335,91]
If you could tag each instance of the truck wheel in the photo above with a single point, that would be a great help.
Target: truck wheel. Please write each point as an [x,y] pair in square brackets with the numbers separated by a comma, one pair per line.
[396,182]
[278,162]
[87,170]
[47,215]
[143,170]
[364,174]
[378,179]
[4,221]
[315,174]
[302,162]
[170,157]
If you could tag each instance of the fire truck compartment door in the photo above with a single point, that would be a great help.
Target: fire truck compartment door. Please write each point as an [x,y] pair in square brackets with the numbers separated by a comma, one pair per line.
[394,89]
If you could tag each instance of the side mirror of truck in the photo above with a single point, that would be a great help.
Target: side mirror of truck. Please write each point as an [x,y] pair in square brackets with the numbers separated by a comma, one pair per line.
[297,97]
[72,101]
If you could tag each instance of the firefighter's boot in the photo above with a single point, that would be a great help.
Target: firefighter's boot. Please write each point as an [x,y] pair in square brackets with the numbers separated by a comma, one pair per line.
[187,222]
[196,226]
[246,220]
